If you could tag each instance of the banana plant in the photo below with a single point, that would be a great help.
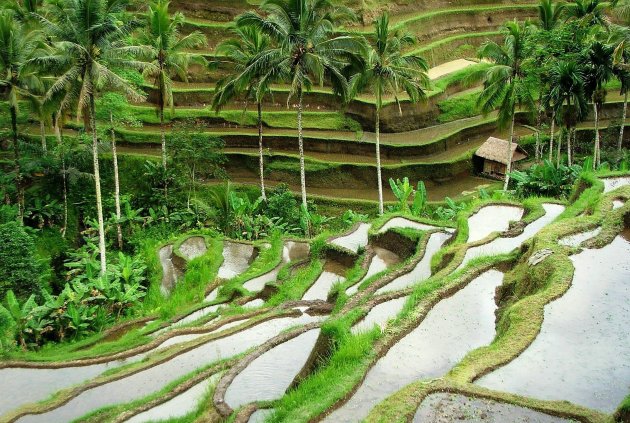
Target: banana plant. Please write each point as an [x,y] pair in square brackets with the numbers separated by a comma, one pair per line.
[20,313]
[402,191]
[419,199]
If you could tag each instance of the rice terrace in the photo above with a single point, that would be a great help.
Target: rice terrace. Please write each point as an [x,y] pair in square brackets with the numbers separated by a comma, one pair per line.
[328,211]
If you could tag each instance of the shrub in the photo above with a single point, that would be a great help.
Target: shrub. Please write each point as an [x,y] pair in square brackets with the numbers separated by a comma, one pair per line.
[545,180]
[18,266]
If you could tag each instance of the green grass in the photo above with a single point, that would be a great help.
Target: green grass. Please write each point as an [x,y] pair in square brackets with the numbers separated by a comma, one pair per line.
[273,119]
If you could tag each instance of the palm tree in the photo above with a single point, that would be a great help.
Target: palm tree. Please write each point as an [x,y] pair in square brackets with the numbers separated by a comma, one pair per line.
[89,40]
[567,98]
[599,70]
[589,12]
[549,14]
[241,51]
[505,85]
[620,39]
[306,49]
[18,47]
[388,71]
[167,51]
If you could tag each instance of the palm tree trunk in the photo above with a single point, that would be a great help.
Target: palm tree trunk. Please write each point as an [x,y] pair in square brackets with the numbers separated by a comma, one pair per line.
[508,168]
[163,136]
[569,152]
[116,183]
[559,149]
[623,121]
[596,148]
[301,148]
[302,170]
[553,128]
[97,187]
[42,133]
[63,177]
[18,170]
[261,162]
[377,126]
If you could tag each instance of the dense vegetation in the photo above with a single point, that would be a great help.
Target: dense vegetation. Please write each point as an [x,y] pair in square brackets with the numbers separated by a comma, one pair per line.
[77,218]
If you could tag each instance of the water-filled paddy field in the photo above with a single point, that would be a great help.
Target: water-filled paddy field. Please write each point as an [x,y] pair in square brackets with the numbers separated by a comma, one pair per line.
[432,318]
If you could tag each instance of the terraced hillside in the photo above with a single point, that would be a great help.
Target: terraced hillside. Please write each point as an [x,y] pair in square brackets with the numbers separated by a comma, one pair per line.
[411,319]
[431,140]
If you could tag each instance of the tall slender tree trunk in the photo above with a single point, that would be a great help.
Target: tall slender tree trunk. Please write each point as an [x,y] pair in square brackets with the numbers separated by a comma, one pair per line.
[64,176]
[42,133]
[623,121]
[97,188]
[261,161]
[553,128]
[302,170]
[163,136]
[116,183]
[508,168]
[559,149]
[18,169]
[596,148]
[301,149]
[377,127]
[569,146]
[538,128]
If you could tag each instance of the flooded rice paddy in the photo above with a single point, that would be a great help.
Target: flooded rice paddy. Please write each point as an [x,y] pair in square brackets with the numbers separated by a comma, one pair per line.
[611,184]
[170,273]
[354,240]
[320,289]
[490,219]
[380,314]
[455,326]
[504,245]
[401,222]
[422,270]
[155,378]
[193,247]
[577,239]
[237,257]
[275,370]
[178,406]
[582,353]
[382,260]
[448,408]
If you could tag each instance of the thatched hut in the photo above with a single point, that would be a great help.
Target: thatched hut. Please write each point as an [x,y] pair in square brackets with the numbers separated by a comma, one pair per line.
[492,156]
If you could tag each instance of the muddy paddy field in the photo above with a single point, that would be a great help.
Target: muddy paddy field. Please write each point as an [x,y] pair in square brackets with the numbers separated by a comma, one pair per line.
[514,312]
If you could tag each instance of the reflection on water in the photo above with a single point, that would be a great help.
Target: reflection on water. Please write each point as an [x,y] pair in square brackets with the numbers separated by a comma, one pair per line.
[193,247]
[275,370]
[143,383]
[576,239]
[443,407]
[319,290]
[382,260]
[380,314]
[614,183]
[237,257]
[455,326]
[354,240]
[422,270]
[178,406]
[170,274]
[401,222]
[582,349]
[259,416]
[22,386]
[490,219]
[504,245]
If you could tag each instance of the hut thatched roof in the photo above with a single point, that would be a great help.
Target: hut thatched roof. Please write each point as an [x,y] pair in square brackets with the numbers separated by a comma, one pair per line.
[495,149]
